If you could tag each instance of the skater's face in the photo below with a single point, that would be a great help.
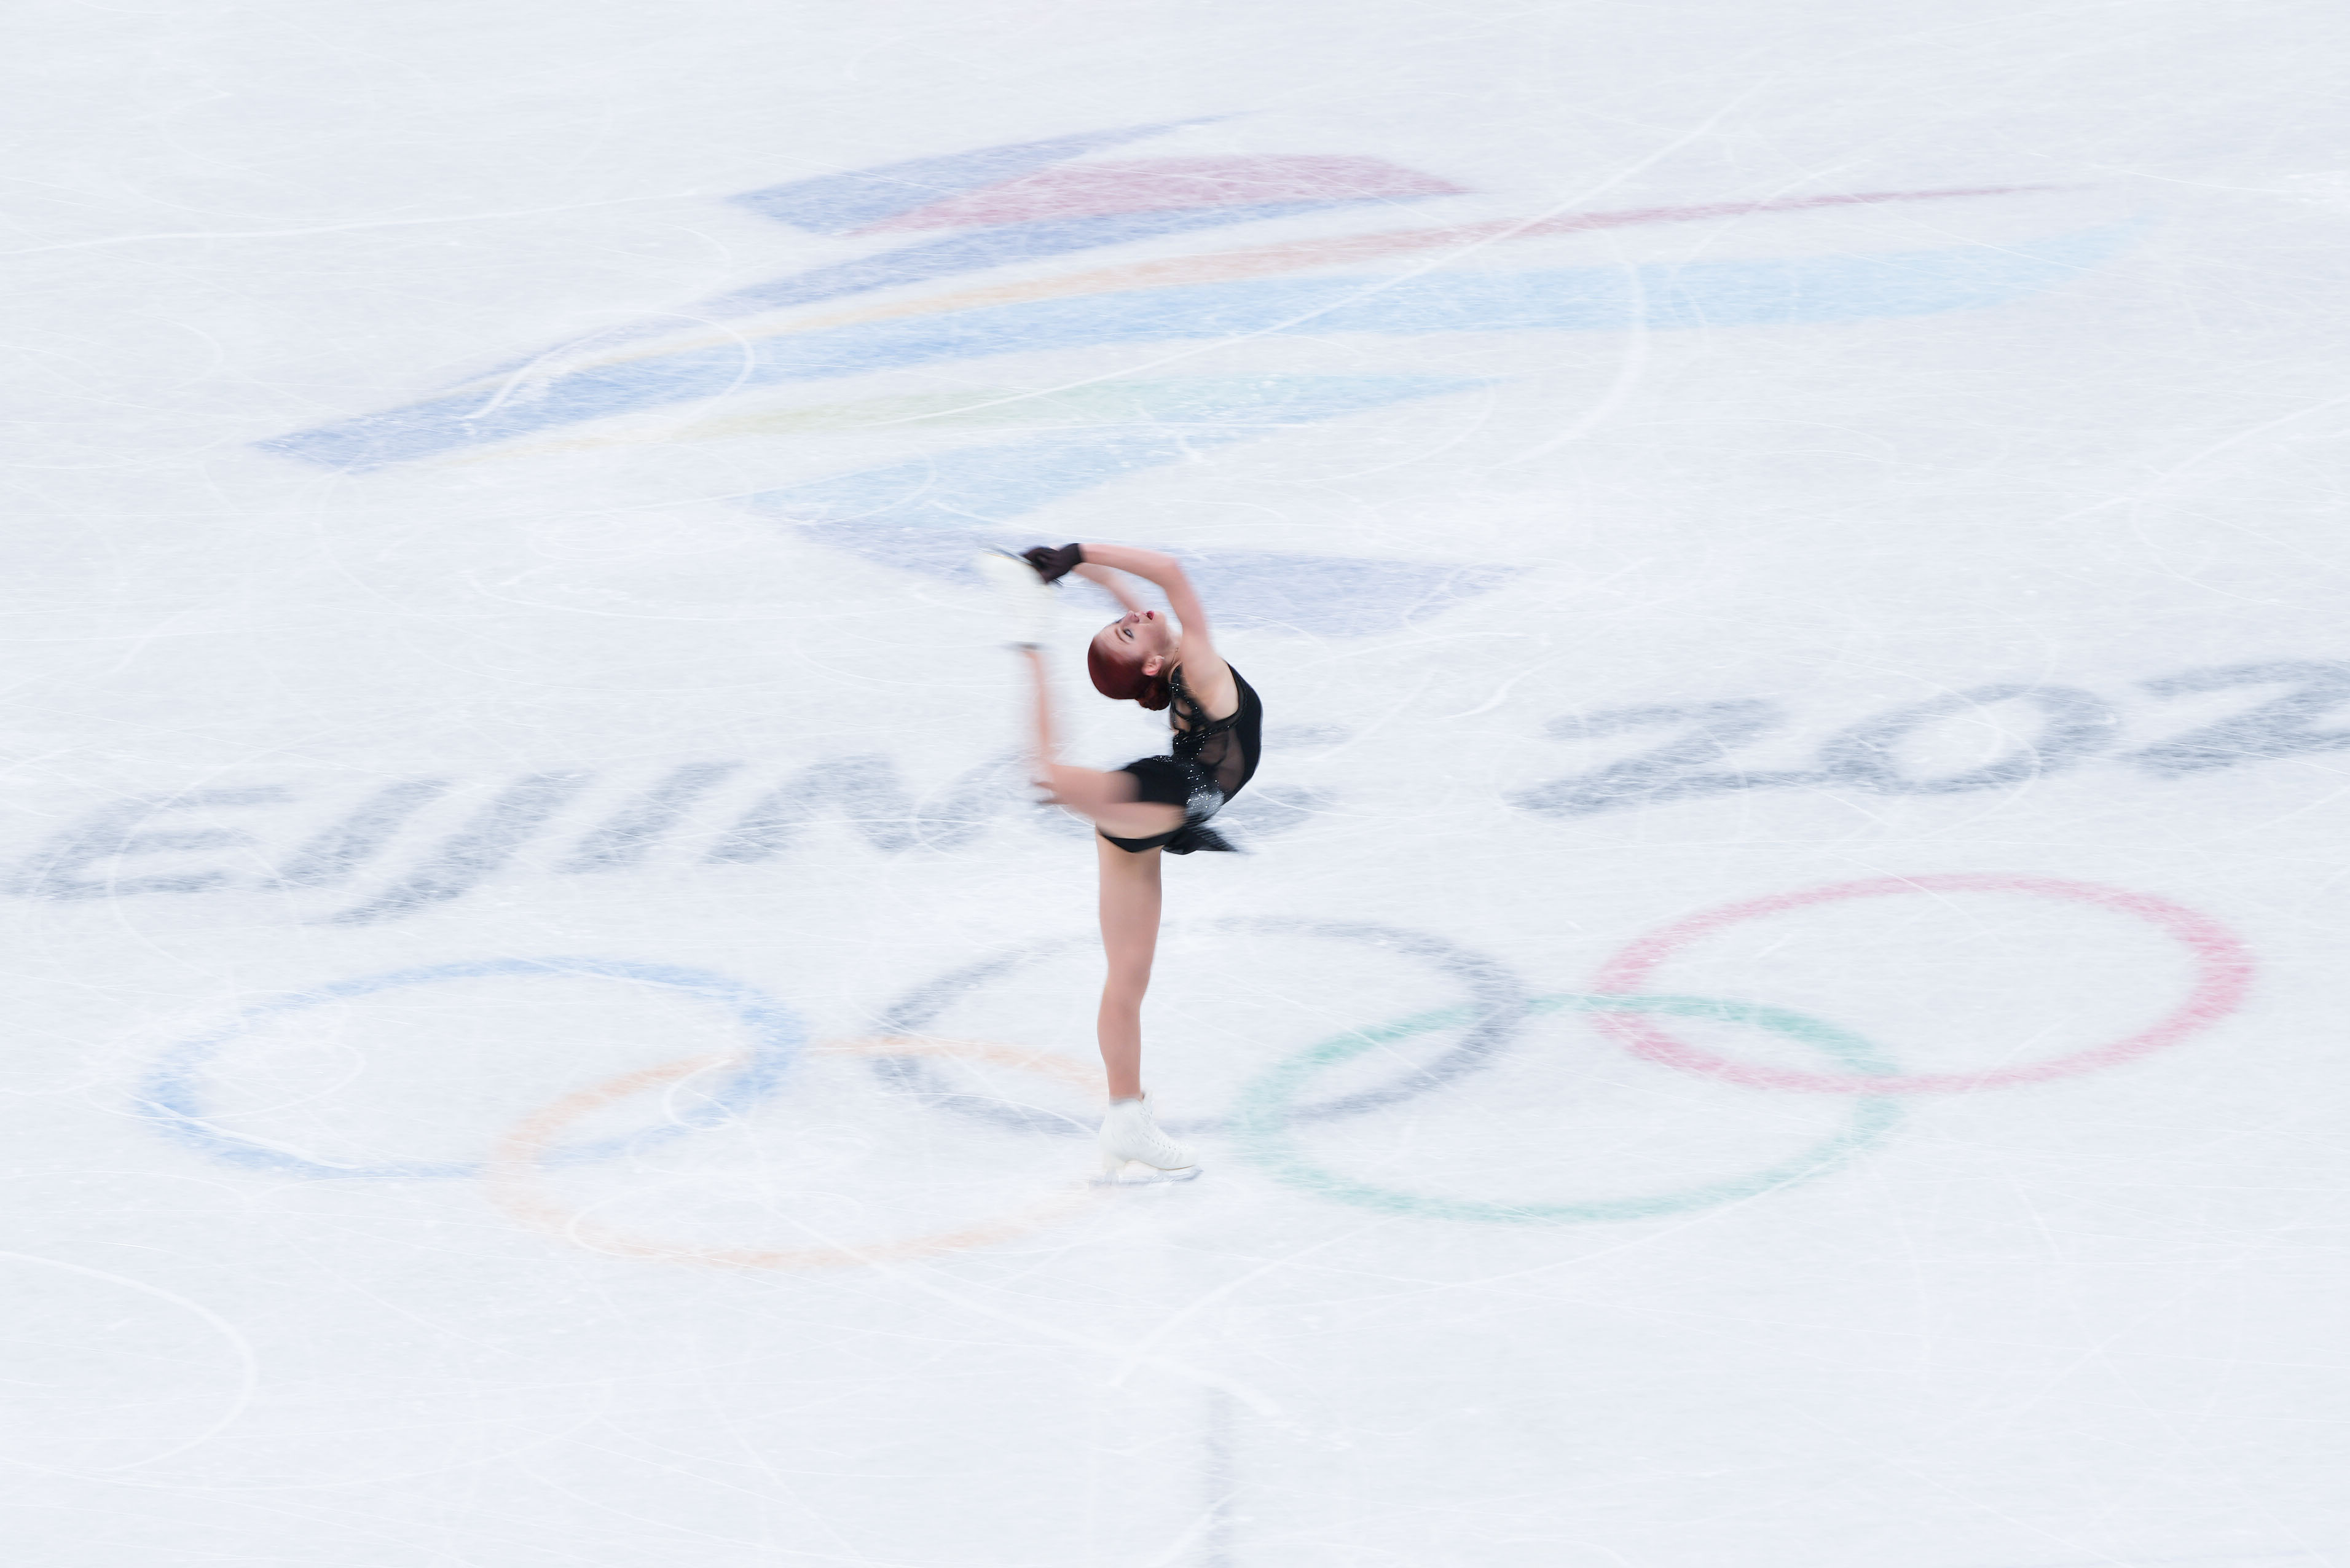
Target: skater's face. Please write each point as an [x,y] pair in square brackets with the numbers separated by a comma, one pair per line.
[1143,638]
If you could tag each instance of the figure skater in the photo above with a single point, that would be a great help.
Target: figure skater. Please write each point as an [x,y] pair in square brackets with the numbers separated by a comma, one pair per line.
[1151,806]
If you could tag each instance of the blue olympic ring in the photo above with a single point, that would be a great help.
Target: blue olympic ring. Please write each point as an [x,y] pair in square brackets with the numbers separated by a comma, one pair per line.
[169,1095]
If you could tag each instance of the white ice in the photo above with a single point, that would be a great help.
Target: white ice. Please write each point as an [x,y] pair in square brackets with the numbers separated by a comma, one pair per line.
[542,1029]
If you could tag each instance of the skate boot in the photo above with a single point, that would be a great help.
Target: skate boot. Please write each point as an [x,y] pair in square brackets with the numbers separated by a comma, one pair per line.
[1023,601]
[1134,1150]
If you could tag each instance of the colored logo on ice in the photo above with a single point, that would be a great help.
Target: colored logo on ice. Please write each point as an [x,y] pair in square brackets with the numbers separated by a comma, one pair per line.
[985,223]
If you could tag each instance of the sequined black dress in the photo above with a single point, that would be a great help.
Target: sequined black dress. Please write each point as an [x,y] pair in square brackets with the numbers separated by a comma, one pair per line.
[1212,759]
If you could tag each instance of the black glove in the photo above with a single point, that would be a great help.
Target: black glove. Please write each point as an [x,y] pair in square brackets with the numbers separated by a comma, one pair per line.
[1053,565]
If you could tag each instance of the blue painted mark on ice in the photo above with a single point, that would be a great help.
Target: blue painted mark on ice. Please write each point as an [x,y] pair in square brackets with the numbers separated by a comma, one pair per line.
[978,486]
[1777,292]
[925,514]
[173,1095]
[930,517]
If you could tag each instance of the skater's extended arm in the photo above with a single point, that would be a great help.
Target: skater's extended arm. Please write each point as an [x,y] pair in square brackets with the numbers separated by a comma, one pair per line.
[1107,799]
[1204,670]
[1112,582]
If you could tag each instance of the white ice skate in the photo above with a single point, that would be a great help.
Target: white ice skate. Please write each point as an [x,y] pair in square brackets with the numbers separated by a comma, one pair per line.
[1135,1151]
[1025,600]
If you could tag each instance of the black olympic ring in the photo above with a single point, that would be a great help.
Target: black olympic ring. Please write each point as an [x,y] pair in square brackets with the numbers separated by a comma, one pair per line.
[1497,1006]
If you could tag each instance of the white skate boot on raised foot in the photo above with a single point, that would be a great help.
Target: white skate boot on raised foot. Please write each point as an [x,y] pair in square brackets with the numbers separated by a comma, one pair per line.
[1134,1150]
[1025,600]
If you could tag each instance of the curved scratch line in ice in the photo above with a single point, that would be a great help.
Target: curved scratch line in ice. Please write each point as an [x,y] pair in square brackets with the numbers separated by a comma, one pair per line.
[1630,370]
[504,390]
[1503,694]
[1263,1403]
[1191,1535]
[2170,475]
[1142,1346]
[231,1135]
[249,1377]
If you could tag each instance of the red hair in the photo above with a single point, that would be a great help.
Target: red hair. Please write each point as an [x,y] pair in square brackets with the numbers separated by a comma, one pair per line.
[1121,681]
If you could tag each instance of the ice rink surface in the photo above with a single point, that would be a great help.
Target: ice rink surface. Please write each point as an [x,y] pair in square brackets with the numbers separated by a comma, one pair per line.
[1783,1005]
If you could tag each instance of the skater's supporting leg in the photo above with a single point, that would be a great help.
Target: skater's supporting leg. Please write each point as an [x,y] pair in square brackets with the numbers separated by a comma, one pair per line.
[1140,657]
[1129,928]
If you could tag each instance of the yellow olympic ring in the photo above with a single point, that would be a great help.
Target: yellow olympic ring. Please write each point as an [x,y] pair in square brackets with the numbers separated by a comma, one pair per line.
[511,1174]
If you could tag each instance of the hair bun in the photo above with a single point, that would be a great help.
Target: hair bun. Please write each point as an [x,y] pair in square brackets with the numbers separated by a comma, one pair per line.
[1123,682]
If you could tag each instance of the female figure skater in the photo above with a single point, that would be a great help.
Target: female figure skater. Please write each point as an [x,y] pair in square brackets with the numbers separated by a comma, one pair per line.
[1151,806]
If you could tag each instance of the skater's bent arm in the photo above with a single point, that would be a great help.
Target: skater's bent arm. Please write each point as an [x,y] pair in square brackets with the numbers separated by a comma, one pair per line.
[1157,567]
[1204,670]
[1112,582]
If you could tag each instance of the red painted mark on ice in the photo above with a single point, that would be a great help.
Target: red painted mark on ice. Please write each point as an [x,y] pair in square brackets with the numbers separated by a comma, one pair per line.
[2224,970]
[1168,184]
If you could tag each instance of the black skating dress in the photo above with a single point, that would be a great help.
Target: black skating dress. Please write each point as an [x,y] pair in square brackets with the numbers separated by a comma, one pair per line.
[1212,759]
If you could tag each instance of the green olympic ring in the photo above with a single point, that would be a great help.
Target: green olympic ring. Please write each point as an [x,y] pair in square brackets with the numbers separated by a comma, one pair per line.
[1262,1123]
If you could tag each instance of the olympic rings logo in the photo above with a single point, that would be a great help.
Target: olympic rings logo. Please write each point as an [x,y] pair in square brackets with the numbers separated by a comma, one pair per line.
[1271,1109]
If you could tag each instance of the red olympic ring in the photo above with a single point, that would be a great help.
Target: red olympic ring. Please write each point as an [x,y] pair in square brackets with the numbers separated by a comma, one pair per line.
[2224,974]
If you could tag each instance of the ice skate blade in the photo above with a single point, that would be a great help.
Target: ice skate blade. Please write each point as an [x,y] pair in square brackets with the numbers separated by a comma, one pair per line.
[1134,1173]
